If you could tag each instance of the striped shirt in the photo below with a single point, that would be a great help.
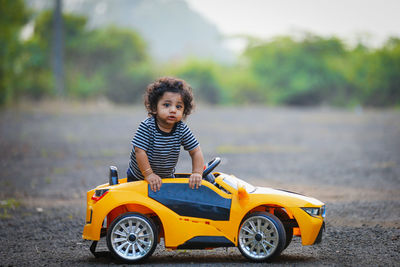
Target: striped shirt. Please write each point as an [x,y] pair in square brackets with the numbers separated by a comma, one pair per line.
[162,148]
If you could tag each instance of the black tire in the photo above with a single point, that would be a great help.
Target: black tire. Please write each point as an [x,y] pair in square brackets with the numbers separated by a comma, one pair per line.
[132,237]
[282,215]
[261,236]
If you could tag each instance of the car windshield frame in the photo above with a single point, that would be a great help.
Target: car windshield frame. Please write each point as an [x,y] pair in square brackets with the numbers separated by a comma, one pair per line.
[233,181]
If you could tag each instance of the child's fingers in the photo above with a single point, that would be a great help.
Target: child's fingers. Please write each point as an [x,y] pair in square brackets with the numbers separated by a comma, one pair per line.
[155,187]
[159,183]
[155,183]
[195,182]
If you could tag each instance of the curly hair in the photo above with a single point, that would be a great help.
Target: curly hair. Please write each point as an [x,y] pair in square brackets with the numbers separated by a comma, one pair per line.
[156,90]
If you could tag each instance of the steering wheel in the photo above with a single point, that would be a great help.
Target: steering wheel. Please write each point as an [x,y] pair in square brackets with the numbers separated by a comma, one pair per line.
[207,175]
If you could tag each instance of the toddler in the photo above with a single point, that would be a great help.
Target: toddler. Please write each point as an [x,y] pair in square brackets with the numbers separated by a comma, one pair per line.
[157,141]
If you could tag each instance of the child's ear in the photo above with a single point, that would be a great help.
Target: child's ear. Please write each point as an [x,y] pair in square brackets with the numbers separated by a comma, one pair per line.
[151,111]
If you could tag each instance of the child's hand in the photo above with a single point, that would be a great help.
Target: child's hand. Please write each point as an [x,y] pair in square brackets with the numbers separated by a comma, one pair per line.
[154,181]
[195,180]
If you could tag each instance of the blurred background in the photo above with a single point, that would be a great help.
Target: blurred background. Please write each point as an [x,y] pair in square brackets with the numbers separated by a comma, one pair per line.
[299,95]
[308,53]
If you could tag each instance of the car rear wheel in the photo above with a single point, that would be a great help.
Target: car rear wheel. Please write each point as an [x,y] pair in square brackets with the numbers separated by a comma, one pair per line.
[261,236]
[132,237]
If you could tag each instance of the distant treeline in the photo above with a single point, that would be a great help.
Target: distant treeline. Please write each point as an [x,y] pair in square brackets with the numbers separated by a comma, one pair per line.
[115,63]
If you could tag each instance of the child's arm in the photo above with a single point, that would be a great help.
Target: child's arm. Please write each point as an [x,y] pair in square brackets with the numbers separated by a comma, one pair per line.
[143,163]
[197,167]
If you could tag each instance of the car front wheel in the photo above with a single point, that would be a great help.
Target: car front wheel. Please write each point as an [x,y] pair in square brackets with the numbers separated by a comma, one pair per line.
[132,237]
[261,236]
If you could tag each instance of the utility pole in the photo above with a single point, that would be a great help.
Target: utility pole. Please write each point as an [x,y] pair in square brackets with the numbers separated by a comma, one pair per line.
[58,48]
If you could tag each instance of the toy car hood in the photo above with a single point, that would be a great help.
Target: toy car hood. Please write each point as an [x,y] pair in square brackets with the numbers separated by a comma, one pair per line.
[288,195]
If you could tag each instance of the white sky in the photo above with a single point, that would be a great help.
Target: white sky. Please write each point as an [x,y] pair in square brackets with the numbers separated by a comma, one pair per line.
[373,20]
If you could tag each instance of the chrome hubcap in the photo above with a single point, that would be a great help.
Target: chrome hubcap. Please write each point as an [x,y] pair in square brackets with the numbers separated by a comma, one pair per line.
[258,237]
[132,238]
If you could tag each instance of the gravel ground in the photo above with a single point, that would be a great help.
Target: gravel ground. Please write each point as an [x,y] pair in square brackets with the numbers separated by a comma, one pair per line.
[52,154]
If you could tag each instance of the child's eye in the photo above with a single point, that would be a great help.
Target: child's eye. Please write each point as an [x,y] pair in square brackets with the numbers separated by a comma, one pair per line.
[179,106]
[166,105]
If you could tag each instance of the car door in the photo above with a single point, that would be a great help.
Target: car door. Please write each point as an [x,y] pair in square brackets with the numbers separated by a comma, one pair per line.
[203,202]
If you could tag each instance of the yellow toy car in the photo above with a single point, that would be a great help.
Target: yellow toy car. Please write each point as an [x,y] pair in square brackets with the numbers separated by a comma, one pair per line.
[224,212]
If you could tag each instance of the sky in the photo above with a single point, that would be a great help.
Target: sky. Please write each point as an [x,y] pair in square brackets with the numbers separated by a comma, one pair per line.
[372,21]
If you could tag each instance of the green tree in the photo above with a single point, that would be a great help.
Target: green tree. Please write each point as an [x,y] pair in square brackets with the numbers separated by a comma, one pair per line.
[202,76]
[239,86]
[13,16]
[38,81]
[299,72]
[111,62]
[120,57]
[384,75]
[374,74]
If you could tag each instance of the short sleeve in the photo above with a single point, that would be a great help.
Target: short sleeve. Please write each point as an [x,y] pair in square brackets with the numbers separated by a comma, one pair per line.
[142,136]
[189,142]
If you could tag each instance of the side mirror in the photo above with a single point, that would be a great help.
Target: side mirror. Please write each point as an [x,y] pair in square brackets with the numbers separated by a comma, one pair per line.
[242,193]
[113,179]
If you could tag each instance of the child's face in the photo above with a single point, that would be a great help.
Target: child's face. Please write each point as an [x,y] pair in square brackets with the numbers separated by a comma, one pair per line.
[170,109]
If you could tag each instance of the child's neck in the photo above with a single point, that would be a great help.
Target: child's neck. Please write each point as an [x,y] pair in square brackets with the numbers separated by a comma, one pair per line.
[165,128]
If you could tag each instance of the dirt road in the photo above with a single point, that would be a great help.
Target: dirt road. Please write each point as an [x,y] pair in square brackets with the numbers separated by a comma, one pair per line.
[52,154]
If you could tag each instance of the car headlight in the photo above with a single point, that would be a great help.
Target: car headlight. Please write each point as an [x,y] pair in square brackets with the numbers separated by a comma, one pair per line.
[323,211]
[315,211]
